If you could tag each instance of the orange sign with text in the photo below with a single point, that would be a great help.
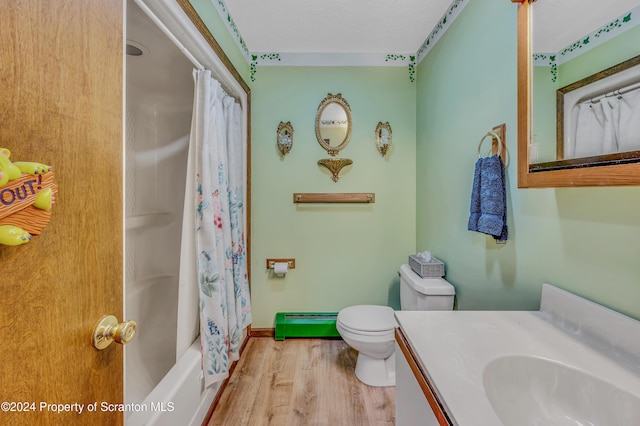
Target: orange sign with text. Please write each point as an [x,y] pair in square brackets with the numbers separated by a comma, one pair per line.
[27,193]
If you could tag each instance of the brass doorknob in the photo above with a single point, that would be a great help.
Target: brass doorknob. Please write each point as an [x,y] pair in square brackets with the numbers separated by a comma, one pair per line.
[108,329]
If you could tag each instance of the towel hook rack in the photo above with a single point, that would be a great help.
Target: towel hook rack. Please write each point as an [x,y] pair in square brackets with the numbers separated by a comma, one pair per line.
[494,135]
[501,147]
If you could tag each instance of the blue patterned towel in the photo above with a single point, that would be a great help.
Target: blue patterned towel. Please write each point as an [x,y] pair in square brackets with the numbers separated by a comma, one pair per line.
[488,211]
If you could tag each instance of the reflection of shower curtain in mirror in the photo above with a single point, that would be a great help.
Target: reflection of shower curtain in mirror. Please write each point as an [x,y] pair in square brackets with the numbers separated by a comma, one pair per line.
[627,119]
[590,130]
[607,126]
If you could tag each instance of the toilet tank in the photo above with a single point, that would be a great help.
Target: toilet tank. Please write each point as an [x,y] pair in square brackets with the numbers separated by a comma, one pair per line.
[424,294]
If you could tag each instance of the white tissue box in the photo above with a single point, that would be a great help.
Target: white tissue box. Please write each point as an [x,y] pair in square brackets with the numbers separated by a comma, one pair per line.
[432,268]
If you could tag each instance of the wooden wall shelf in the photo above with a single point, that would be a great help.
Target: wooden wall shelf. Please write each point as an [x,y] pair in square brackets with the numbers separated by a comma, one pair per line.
[326,197]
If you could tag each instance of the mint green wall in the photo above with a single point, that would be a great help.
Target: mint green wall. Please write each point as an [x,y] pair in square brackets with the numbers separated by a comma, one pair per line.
[218,29]
[345,254]
[544,113]
[582,239]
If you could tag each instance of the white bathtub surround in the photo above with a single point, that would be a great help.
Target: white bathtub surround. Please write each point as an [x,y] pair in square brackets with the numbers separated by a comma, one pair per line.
[217,152]
[158,121]
[491,368]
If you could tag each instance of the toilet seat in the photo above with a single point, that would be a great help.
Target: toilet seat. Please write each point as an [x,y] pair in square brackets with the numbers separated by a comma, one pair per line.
[377,335]
[368,320]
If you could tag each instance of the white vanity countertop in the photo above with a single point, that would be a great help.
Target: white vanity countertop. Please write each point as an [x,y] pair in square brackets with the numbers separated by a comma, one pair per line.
[453,348]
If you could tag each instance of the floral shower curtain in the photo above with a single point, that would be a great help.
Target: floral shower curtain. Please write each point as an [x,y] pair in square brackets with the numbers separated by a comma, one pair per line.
[225,309]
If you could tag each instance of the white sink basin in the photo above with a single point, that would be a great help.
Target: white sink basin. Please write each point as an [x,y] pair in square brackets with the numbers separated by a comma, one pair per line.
[528,390]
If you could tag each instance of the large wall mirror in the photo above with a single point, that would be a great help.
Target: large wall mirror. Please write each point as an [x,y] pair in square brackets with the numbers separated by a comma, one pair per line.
[576,57]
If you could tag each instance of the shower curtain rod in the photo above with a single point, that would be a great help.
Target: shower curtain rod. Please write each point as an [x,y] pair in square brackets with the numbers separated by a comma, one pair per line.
[169,34]
[616,92]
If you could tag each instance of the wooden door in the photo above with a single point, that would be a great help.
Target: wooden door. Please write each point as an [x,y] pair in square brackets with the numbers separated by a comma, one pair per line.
[61,104]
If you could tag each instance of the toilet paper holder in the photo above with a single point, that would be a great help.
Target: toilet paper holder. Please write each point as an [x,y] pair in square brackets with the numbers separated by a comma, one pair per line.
[272,262]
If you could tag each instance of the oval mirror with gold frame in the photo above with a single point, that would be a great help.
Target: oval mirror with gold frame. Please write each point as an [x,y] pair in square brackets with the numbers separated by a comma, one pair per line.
[333,123]
[531,141]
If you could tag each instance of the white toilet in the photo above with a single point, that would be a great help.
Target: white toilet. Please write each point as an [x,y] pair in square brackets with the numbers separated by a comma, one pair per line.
[369,329]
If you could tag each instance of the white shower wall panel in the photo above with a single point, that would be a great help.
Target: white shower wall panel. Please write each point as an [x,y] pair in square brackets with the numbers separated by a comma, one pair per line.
[154,227]
[159,102]
[158,150]
[159,157]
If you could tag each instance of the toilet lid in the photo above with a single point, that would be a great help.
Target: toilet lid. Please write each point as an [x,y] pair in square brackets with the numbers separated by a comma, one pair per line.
[368,318]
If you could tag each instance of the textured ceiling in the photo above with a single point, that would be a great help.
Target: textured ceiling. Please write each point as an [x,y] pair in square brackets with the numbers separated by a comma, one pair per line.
[397,26]
[559,23]
[336,26]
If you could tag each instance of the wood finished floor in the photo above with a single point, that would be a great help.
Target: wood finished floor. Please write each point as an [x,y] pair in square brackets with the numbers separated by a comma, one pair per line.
[301,382]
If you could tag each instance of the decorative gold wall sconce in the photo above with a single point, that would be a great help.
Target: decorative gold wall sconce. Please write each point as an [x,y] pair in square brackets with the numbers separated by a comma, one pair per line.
[285,137]
[335,165]
[383,137]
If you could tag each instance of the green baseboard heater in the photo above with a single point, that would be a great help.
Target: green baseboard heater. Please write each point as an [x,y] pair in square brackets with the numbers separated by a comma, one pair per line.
[306,324]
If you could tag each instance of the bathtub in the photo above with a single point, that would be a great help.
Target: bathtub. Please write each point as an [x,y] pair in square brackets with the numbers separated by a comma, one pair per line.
[180,398]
